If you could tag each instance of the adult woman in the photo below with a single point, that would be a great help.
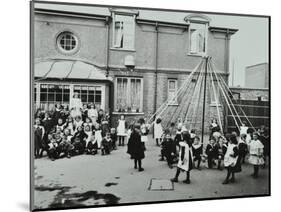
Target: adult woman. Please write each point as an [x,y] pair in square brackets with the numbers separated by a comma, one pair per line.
[75,105]
[136,148]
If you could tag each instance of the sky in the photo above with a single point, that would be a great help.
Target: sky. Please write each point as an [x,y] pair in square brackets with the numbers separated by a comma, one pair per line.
[248,46]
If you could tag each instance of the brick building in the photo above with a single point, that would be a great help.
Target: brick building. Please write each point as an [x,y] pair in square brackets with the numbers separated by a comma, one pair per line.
[120,60]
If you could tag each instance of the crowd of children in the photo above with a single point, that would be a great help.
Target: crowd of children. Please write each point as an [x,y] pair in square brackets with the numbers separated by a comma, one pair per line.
[181,146]
[64,133]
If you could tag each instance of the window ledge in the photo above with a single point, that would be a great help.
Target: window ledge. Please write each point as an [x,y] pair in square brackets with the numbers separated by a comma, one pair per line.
[196,54]
[122,49]
[128,113]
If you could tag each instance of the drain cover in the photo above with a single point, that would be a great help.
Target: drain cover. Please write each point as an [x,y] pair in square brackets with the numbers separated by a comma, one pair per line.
[160,185]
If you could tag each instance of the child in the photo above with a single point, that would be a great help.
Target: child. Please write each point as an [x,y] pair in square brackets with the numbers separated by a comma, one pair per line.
[88,122]
[158,131]
[79,141]
[39,132]
[197,149]
[65,145]
[214,127]
[256,154]
[221,148]
[144,129]
[69,125]
[231,160]
[167,149]
[173,130]
[92,146]
[77,123]
[211,152]
[105,124]
[242,148]
[113,136]
[84,112]
[135,147]
[60,125]
[98,134]
[88,132]
[243,128]
[52,147]
[93,114]
[121,130]
[185,160]
[105,144]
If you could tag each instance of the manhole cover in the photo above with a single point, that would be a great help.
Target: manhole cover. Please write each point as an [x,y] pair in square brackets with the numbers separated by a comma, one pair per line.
[160,185]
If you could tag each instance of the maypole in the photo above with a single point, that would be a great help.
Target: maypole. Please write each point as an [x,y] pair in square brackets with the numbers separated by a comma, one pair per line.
[204,98]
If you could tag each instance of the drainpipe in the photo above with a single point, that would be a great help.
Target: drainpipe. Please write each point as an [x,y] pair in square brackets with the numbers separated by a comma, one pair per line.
[156,66]
[107,45]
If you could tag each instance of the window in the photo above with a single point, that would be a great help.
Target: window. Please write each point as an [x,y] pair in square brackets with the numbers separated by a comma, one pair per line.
[128,94]
[89,94]
[197,42]
[67,42]
[51,94]
[172,89]
[124,31]
[217,90]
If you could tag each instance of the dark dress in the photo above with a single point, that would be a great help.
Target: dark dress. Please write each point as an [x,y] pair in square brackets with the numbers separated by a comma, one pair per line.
[135,146]
[78,141]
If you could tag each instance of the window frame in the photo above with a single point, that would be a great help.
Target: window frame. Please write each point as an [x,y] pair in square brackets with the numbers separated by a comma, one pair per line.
[113,44]
[129,78]
[192,53]
[61,49]
[175,102]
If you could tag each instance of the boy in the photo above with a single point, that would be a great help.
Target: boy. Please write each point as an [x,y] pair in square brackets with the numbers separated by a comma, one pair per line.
[105,144]
[211,152]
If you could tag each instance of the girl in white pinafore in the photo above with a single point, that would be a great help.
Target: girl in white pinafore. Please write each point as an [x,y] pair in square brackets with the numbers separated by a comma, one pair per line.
[98,135]
[158,131]
[185,160]
[256,154]
[121,130]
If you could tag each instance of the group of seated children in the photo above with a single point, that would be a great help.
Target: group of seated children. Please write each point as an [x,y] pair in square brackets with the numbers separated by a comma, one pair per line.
[67,137]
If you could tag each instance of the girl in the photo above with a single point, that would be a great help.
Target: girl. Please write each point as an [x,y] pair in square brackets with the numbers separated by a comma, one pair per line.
[243,128]
[167,149]
[222,148]
[65,145]
[98,135]
[256,154]
[121,130]
[75,105]
[185,159]
[144,129]
[88,132]
[77,123]
[231,160]
[158,131]
[105,144]
[243,148]
[214,127]
[84,112]
[39,132]
[69,125]
[105,124]
[197,149]
[136,149]
[79,140]
[93,113]
[60,125]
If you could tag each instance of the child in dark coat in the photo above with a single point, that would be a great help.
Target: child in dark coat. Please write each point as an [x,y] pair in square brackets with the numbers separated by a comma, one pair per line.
[105,144]
[136,147]
[79,141]
[211,152]
[167,149]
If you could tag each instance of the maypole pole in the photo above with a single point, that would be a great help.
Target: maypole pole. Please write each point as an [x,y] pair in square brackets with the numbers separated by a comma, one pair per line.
[204,97]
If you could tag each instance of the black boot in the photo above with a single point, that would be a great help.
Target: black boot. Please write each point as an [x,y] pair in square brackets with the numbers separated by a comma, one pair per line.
[175,179]
[187,181]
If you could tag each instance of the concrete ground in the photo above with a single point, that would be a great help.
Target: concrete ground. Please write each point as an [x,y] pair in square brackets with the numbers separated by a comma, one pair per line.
[96,180]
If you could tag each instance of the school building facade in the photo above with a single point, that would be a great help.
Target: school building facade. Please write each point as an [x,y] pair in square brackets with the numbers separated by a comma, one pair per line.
[122,62]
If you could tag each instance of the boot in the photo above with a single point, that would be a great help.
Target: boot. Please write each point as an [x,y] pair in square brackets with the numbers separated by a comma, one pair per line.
[187,181]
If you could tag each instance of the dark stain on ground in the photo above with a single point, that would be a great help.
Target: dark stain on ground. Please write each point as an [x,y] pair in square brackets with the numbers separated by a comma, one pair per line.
[39,177]
[117,177]
[110,184]
[54,188]
[65,200]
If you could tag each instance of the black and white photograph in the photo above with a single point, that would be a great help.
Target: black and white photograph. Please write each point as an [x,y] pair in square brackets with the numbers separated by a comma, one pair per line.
[134,105]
